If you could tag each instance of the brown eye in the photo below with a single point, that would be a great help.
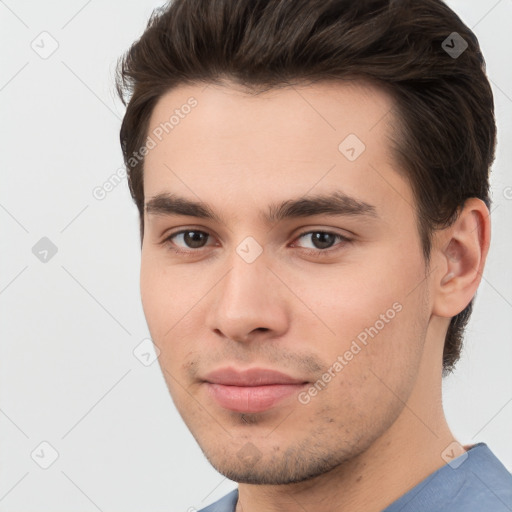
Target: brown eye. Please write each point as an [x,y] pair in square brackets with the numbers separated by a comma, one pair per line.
[188,239]
[195,239]
[322,240]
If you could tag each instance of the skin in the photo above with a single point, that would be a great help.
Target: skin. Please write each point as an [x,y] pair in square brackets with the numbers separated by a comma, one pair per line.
[378,428]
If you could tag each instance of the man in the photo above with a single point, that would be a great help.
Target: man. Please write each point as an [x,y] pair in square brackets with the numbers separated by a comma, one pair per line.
[312,182]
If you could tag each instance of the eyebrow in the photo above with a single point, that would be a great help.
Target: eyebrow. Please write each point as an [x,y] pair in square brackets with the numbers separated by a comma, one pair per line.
[336,204]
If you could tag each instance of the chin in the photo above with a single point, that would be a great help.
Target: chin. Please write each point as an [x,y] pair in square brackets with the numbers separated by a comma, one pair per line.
[249,465]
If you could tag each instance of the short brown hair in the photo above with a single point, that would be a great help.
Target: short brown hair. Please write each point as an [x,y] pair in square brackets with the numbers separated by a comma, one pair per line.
[444,103]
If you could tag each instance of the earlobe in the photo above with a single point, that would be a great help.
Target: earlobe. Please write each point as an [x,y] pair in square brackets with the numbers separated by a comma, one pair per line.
[461,259]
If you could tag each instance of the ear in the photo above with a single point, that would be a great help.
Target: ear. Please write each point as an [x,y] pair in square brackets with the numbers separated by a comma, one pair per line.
[460,254]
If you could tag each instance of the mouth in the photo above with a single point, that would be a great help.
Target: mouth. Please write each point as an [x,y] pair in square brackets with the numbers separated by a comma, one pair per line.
[251,391]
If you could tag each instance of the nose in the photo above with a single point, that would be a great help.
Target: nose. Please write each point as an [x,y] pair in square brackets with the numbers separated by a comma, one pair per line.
[248,300]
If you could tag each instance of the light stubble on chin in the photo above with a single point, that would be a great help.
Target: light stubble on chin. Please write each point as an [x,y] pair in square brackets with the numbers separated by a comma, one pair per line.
[302,460]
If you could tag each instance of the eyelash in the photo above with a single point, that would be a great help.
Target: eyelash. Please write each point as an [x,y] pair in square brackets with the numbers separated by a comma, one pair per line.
[310,252]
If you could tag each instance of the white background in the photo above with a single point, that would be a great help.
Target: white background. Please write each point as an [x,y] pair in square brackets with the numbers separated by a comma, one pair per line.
[68,375]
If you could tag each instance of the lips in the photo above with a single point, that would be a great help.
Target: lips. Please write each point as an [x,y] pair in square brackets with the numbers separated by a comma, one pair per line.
[250,391]
[251,377]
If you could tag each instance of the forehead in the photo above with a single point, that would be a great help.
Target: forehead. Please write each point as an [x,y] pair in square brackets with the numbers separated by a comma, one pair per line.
[318,114]
[218,143]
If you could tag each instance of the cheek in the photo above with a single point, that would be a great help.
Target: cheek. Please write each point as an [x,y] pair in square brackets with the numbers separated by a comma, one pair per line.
[171,302]
[162,300]
[153,298]
[375,380]
[166,294]
[352,300]
[379,321]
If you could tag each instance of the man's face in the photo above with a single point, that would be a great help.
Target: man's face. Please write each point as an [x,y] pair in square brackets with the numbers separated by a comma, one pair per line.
[336,302]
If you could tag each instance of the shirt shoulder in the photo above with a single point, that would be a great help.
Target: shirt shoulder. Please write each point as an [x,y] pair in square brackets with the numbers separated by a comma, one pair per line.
[472,482]
[226,504]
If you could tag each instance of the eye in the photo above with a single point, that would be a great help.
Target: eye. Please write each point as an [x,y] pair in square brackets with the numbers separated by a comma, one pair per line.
[191,238]
[322,241]
[189,241]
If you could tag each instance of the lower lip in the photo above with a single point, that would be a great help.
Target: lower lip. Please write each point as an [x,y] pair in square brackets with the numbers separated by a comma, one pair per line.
[251,398]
